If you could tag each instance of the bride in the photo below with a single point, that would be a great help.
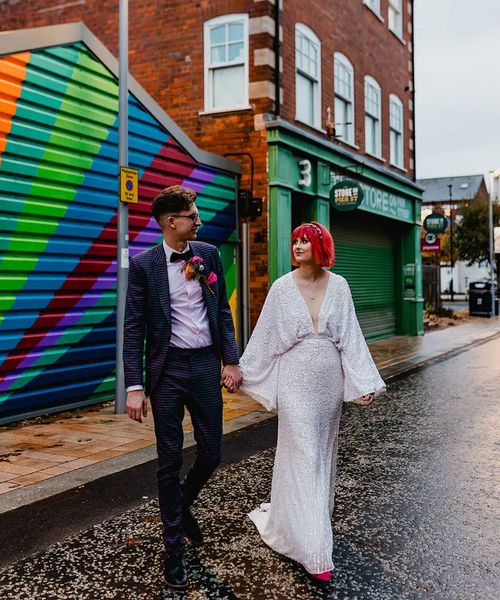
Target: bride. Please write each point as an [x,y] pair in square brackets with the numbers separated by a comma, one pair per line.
[306,356]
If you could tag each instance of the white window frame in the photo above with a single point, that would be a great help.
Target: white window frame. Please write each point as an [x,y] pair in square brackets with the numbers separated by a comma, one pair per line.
[348,131]
[211,68]
[396,160]
[395,17]
[374,6]
[375,116]
[312,38]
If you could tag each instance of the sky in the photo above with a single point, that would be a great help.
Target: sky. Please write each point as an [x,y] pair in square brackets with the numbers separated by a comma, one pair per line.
[457,87]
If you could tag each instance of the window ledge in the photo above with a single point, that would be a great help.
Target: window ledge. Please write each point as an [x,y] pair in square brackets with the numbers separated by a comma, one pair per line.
[315,127]
[380,158]
[216,111]
[399,167]
[378,15]
[351,144]
[398,37]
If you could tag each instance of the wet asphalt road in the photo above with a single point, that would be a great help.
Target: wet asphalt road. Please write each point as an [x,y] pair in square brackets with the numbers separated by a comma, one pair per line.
[414,516]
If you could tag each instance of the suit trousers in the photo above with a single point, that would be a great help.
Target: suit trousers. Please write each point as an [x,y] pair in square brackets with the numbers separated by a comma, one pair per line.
[191,379]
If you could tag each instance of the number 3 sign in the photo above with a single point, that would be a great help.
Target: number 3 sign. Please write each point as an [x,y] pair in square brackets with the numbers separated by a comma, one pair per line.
[305,172]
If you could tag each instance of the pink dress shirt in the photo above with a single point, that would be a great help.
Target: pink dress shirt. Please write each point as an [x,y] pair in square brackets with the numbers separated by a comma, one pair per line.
[190,327]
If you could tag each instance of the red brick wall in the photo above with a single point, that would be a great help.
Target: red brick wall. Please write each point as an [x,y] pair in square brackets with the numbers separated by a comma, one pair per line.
[100,16]
[353,29]
[166,57]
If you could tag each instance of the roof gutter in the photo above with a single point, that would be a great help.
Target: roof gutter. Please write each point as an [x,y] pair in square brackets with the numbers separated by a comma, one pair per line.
[277,50]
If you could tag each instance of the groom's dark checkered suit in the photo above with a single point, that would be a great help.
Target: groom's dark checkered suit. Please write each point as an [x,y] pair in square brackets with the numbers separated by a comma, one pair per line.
[178,377]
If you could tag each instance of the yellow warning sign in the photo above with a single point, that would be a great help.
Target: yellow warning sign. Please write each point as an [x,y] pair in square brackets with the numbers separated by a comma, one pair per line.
[129,185]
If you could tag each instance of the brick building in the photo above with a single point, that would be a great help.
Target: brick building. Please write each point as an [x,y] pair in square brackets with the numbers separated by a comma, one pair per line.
[340,107]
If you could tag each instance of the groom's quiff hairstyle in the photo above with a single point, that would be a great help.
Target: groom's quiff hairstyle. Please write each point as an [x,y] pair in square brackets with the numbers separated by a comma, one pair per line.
[171,200]
[322,247]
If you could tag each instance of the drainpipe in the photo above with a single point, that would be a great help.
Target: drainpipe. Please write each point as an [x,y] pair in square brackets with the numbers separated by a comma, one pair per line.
[244,262]
[277,77]
[413,152]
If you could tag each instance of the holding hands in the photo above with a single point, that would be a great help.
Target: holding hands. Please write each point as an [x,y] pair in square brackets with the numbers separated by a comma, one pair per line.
[137,403]
[231,378]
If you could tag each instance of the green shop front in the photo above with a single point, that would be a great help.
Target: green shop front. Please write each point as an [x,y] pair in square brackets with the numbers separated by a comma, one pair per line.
[377,237]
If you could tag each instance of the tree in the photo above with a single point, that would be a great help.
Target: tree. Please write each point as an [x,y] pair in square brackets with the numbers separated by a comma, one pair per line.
[471,232]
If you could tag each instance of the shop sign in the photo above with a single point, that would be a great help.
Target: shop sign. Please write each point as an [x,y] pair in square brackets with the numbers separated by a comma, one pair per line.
[430,243]
[129,185]
[409,273]
[388,204]
[346,195]
[435,223]
[382,202]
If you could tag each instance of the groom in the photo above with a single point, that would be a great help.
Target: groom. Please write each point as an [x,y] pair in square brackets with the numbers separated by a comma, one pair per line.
[179,305]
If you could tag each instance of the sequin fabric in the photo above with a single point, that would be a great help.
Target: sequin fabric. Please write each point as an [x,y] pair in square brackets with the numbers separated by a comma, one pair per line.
[305,376]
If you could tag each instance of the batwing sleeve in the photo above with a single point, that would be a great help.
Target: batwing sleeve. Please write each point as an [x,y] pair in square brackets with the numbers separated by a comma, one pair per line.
[361,375]
[260,361]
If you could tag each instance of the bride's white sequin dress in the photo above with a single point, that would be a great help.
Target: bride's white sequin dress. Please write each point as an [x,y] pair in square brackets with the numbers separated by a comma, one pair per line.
[305,376]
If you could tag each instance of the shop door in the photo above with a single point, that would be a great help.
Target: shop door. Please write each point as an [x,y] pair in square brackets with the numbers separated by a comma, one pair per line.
[365,256]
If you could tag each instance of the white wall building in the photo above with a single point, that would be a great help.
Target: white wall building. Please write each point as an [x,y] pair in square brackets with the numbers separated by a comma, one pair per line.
[462,276]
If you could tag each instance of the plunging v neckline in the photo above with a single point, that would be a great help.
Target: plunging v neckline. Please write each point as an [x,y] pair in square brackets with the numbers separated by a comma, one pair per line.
[316,331]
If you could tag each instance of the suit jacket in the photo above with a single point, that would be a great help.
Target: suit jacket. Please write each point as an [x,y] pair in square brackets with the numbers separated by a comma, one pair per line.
[148,314]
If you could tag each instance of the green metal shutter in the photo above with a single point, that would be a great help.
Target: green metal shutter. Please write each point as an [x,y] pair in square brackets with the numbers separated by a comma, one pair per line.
[364,255]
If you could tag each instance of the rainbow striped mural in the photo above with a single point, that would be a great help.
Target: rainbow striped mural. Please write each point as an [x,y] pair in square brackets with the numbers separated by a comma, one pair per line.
[58,165]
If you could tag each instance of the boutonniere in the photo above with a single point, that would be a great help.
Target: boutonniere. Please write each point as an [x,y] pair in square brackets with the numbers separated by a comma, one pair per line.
[195,269]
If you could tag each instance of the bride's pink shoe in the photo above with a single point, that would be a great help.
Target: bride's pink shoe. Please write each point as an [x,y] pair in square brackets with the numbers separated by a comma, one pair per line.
[323,577]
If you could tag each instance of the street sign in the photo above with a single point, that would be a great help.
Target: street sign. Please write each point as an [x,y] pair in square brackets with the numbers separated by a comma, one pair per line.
[346,195]
[129,185]
[435,223]
[431,243]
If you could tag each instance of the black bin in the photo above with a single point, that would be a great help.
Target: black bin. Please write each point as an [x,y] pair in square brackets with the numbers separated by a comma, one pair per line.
[480,299]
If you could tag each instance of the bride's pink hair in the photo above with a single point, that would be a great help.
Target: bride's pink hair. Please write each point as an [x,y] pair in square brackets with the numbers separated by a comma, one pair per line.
[322,247]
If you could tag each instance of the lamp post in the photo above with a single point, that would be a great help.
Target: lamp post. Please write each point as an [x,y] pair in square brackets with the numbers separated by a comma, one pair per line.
[450,195]
[122,208]
[493,175]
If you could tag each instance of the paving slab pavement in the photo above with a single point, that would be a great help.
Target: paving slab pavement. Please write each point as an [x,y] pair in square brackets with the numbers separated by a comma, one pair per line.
[45,456]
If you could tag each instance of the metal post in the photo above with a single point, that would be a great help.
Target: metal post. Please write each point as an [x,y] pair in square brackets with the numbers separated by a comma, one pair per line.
[122,221]
[492,236]
[245,278]
[450,188]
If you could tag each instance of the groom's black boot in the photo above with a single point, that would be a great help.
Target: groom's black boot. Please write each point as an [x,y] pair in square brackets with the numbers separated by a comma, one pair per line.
[175,569]
[198,475]
[190,526]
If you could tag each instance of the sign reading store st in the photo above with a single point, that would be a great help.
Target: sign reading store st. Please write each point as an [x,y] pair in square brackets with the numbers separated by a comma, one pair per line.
[375,200]
[346,195]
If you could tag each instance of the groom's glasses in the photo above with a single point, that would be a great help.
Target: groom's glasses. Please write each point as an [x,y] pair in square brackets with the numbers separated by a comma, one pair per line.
[193,217]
